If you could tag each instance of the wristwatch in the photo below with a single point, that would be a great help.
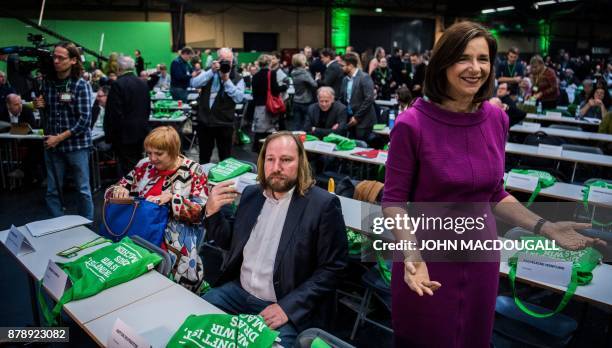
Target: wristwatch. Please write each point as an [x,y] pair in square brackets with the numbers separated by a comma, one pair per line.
[538,226]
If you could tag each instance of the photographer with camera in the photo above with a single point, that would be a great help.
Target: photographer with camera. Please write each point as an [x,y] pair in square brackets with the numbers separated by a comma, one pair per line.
[221,89]
[65,104]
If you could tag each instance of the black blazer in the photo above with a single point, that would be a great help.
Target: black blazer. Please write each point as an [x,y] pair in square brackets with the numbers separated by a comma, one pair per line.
[362,99]
[260,86]
[26,117]
[311,256]
[337,114]
[332,77]
[128,108]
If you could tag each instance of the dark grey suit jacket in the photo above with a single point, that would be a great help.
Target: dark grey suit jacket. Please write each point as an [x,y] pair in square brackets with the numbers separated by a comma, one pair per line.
[362,99]
[337,114]
[332,77]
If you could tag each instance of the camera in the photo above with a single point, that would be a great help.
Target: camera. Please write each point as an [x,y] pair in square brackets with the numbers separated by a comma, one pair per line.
[226,66]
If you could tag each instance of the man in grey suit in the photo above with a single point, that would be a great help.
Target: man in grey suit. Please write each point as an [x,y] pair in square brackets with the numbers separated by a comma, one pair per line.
[333,74]
[326,116]
[358,96]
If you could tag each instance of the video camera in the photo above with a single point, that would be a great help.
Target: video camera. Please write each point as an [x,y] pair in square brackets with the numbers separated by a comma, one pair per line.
[40,58]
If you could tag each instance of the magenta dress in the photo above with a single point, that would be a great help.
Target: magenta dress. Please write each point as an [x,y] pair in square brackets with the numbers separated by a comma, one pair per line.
[441,156]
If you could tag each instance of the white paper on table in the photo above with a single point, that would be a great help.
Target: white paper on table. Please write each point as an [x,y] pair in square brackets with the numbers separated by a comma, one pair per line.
[600,195]
[532,125]
[42,227]
[553,114]
[325,147]
[543,269]
[522,181]
[124,336]
[55,279]
[550,150]
[17,243]
[382,156]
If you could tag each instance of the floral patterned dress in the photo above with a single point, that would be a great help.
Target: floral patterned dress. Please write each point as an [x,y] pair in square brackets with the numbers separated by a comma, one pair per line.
[184,230]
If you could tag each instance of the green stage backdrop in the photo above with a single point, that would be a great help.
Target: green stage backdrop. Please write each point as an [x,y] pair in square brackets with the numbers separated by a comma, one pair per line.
[153,39]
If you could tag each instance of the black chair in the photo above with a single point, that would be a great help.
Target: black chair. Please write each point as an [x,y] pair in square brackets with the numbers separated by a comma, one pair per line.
[165,266]
[306,337]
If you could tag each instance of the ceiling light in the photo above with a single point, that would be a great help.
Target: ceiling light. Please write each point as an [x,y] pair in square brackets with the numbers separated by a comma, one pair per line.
[488,10]
[506,8]
[544,3]
[378,10]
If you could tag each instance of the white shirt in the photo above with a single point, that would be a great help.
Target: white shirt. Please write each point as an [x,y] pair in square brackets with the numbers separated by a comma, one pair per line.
[14,119]
[259,254]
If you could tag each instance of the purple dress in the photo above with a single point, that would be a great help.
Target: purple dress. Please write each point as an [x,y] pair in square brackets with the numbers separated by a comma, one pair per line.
[440,156]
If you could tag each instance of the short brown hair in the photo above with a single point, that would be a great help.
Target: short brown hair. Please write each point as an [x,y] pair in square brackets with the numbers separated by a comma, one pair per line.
[304,177]
[447,52]
[514,50]
[164,138]
[351,58]
[73,52]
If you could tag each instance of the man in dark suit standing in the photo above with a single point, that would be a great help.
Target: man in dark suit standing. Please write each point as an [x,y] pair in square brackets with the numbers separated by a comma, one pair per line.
[417,74]
[287,246]
[333,74]
[358,96]
[15,113]
[126,119]
[326,116]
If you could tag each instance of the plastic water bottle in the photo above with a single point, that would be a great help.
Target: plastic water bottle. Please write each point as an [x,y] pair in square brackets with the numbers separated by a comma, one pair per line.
[539,108]
[391,118]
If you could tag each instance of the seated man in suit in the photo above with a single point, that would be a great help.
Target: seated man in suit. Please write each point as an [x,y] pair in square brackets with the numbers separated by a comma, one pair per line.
[287,247]
[508,104]
[16,113]
[326,116]
[358,96]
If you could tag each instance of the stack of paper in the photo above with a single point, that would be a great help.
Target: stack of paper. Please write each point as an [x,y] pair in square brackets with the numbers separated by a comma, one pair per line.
[42,227]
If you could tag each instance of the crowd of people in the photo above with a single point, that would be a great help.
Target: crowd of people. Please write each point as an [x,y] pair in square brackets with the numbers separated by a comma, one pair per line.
[285,266]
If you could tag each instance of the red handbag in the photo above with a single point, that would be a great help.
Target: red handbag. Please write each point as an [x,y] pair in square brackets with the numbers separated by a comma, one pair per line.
[274,104]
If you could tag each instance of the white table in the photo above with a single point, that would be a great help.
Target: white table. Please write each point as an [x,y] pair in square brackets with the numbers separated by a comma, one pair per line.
[587,121]
[564,133]
[310,146]
[386,131]
[168,119]
[156,318]
[88,309]
[597,292]
[389,103]
[570,156]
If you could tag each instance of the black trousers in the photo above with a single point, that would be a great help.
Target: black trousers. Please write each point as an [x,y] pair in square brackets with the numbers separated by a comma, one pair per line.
[360,133]
[128,156]
[208,136]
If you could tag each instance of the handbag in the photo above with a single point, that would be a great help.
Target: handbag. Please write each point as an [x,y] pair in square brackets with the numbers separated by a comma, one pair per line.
[102,269]
[583,263]
[274,104]
[128,217]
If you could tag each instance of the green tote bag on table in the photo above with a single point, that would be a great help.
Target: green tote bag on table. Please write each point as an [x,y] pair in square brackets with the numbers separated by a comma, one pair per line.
[102,269]
[545,180]
[583,263]
[223,330]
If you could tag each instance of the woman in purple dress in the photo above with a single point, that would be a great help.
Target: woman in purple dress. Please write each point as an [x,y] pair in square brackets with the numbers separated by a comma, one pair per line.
[451,149]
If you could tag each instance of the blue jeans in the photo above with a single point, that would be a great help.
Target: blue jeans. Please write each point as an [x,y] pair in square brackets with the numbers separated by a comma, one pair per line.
[56,163]
[232,298]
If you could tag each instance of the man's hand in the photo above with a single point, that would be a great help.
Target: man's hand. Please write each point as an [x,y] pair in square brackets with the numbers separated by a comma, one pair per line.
[52,141]
[220,195]
[352,122]
[39,103]
[517,79]
[416,88]
[335,126]
[274,316]
[215,66]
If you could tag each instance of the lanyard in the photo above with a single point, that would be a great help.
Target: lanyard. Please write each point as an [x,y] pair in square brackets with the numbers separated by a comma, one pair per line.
[511,72]
[72,251]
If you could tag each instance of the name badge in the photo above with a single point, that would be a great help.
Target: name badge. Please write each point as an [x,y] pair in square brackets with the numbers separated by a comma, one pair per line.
[124,336]
[17,243]
[55,279]
[522,181]
[382,156]
[65,97]
[553,114]
[325,147]
[532,125]
[550,150]
[543,269]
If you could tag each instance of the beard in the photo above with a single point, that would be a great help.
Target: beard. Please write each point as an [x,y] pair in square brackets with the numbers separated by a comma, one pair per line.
[280,183]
